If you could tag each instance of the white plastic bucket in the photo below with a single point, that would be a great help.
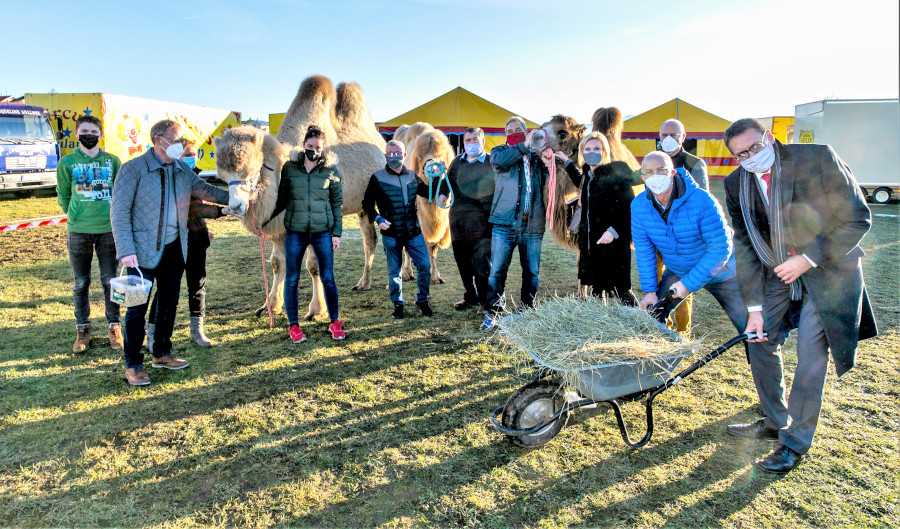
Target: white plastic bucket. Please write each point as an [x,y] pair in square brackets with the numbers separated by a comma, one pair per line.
[129,291]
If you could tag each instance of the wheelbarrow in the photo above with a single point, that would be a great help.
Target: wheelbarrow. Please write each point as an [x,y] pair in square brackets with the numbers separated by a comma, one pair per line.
[539,410]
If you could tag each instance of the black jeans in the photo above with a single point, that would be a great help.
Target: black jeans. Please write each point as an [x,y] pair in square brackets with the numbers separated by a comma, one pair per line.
[194,274]
[471,236]
[81,252]
[167,276]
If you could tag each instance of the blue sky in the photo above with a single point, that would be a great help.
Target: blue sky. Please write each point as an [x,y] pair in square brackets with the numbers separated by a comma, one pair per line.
[537,58]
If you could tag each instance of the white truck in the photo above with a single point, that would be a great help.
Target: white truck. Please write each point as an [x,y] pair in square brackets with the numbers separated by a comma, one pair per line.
[866,135]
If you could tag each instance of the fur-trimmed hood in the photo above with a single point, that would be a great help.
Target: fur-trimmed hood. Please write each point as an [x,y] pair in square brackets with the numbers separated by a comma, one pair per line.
[330,157]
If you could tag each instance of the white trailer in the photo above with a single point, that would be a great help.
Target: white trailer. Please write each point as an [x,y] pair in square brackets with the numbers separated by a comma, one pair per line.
[866,135]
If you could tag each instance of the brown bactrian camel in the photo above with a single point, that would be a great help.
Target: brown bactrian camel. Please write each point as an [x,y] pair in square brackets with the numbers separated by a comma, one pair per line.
[252,163]
[434,220]
[564,135]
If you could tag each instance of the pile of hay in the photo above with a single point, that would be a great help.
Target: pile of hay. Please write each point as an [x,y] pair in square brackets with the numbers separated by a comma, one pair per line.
[570,333]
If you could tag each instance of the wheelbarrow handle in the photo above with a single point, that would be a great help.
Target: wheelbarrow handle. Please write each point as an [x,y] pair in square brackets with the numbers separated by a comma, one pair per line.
[660,310]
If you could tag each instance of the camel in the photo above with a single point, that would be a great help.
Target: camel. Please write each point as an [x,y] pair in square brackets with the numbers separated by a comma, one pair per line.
[252,163]
[564,134]
[434,220]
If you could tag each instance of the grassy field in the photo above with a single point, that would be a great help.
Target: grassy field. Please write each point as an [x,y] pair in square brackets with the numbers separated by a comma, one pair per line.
[390,428]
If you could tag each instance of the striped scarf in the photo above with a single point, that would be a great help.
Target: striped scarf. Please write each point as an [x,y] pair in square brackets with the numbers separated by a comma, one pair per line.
[769,257]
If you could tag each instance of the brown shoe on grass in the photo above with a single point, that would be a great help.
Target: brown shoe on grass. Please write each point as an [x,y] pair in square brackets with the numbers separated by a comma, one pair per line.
[136,376]
[82,338]
[168,362]
[114,333]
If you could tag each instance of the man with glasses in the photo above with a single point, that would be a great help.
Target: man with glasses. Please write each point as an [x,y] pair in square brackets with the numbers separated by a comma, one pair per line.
[393,192]
[686,225]
[798,215]
[149,212]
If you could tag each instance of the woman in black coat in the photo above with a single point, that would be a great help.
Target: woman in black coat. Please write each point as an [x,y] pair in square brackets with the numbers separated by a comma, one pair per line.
[604,232]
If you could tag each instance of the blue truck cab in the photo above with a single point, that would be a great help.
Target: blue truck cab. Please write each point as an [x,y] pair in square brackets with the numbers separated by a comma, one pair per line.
[28,149]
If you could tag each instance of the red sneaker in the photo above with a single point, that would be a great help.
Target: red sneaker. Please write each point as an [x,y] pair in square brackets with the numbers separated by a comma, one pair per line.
[297,334]
[337,329]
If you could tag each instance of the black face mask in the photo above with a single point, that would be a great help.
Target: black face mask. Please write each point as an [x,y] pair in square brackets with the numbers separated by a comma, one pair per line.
[312,155]
[89,140]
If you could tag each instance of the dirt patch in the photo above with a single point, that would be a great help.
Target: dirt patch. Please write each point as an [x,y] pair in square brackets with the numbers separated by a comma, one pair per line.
[33,244]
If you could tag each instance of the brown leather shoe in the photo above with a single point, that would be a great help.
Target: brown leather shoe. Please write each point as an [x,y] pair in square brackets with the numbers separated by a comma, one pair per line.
[82,338]
[168,362]
[114,333]
[136,376]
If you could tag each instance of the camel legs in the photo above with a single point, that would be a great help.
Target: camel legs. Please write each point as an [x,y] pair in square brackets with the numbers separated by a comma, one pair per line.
[276,292]
[406,272]
[436,278]
[367,229]
[317,307]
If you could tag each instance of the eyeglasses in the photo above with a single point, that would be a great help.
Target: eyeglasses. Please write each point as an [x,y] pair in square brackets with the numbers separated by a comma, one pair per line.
[661,171]
[755,148]
[172,142]
[676,136]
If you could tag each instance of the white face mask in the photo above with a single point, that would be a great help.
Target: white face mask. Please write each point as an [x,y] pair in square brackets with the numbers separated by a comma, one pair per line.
[669,144]
[761,161]
[658,183]
[174,150]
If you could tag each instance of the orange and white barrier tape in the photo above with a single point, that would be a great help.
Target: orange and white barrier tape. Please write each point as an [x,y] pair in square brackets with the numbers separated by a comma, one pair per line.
[34,223]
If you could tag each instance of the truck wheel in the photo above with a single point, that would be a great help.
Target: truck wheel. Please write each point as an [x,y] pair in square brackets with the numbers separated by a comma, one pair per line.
[531,405]
[882,195]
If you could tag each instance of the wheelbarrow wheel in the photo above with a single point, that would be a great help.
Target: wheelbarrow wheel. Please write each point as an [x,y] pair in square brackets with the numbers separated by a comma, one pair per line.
[532,405]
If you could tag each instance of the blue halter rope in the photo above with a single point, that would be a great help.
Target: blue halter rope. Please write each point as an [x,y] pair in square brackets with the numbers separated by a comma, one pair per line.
[436,172]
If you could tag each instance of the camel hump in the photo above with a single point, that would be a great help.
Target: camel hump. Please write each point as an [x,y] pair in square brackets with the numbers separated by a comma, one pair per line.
[351,108]
[316,87]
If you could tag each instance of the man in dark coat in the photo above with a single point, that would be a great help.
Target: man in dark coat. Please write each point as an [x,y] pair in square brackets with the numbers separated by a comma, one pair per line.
[798,216]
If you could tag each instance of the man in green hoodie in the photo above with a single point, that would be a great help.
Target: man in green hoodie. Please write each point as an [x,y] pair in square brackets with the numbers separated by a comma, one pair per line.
[84,181]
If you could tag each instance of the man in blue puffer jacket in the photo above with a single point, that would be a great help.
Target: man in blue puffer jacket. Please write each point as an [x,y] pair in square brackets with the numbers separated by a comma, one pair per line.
[687,226]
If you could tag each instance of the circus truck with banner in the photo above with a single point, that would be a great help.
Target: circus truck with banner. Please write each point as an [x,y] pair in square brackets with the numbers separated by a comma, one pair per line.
[28,150]
[127,121]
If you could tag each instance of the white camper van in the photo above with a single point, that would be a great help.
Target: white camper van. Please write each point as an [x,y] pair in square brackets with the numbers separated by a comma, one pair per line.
[866,135]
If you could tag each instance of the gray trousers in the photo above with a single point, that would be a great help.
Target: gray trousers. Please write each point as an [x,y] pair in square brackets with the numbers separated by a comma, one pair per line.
[797,418]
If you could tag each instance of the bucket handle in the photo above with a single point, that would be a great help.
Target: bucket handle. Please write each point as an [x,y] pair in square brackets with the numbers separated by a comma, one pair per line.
[138,268]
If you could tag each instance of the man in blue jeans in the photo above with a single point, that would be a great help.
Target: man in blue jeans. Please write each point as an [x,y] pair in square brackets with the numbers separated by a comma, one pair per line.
[517,215]
[687,226]
[393,191]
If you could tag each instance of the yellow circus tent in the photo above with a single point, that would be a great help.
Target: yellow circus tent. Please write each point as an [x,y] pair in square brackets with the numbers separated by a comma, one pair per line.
[455,111]
[704,133]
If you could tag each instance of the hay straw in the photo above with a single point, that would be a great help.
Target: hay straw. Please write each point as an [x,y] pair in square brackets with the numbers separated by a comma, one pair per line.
[569,334]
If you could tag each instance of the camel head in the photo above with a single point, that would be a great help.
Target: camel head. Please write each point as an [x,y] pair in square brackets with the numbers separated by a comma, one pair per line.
[239,160]
[430,146]
[410,138]
[565,134]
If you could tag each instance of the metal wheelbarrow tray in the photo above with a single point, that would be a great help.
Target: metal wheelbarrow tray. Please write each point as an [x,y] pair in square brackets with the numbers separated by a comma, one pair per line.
[537,411]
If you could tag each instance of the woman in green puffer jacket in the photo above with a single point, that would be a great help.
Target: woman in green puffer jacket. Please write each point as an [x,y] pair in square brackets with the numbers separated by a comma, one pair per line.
[310,195]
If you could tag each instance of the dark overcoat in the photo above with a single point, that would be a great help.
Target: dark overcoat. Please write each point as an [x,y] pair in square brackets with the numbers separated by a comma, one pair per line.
[825,218]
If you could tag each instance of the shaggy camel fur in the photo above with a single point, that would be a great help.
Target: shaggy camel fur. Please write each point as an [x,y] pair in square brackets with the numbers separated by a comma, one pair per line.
[435,221]
[350,136]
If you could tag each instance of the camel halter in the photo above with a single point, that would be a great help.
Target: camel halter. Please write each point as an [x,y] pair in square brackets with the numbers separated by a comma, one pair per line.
[551,182]
[436,170]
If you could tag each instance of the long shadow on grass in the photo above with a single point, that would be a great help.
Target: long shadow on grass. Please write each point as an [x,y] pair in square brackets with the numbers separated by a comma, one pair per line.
[36,438]
[625,465]
[338,443]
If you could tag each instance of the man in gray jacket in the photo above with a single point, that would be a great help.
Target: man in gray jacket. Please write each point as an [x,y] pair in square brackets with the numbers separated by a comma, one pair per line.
[517,215]
[149,213]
